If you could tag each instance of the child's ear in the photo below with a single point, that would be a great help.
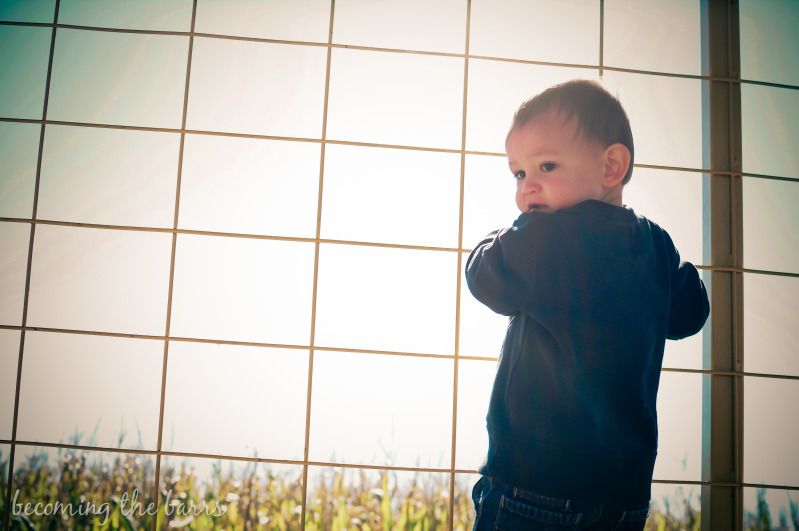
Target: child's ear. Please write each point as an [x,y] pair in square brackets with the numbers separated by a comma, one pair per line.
[617,160]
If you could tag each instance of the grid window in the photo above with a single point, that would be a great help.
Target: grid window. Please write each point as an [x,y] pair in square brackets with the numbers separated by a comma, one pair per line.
[276,19]
[14,238]
[9,356]
[771,224]
[771,304]
[23,61]
[769,40]
[172,15]
[19,147]
[28,11]
[770,130]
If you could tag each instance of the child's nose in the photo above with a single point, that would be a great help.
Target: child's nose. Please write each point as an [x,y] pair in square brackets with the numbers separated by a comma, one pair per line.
[530,184]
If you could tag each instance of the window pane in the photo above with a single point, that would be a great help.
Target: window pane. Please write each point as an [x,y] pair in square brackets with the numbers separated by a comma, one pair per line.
[481,330]
[568,32]
[463,509]
[410,25]
[376,499]
[673,200]
[27,10]
[679,406]
[108,176]
[770,130]
[256,87]
[14,240]
[492,100]
[250,186]
[770,508]
[769,40]
[9,357]
[24,53]
[86,479]
[308,20]
[670,133]
[675,506]
[425,95]
[386,299]
[19,151]
[391,195]
[64,374]
[653,35]
[97,279]
[242,289]
[488,198]
[771,343]
[243,494]
[362,410]
[771,224]
[118,78]
[266,387]
[475,381]
[770,437]
[685,353]
[5,454]
[172,15]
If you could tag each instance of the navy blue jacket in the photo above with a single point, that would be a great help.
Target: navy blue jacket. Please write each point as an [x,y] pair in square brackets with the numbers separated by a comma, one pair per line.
[592,291]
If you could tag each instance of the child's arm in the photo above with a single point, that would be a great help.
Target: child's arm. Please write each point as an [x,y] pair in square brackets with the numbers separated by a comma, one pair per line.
[689,302]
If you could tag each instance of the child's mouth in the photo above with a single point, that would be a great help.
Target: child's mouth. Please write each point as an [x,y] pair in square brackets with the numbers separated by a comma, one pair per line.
[536,206]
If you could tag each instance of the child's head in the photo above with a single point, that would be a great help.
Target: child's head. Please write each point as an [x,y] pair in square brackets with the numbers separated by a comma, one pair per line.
[569,143]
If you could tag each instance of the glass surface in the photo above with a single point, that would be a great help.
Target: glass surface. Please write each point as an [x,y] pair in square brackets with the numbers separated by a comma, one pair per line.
[653,35]
[376,499]
[160,15]
[481,330]
[118,78]
[770,508]
[242,289]
[475,381]
[108,176]
[5,454]
[493,99]
[675,506]
[668,133]
[685,353]
[90,390]
[9,357]
[771,224]
[14,240]
[381,409]
[265,387]
[99,279]
[250,186]
[256,87]
[86,488]
[679,406]
[395,98]
[488,198]
[771,342]
[770,130]
[308,20]
[19,151]
[769,40]
[545,30]
[770,436]
[411,25]
[386,299]
[391,195]
[673,200]
[463,509]
[27,10]
[24,53]
[199,493]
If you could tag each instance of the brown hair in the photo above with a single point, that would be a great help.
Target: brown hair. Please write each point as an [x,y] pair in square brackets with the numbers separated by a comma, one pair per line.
[599,114]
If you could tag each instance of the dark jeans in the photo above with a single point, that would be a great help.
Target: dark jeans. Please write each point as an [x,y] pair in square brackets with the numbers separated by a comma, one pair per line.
[499,506]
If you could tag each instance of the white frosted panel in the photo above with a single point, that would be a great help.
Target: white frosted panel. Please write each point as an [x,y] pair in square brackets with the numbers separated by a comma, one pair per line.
[475,381]
[394,98]
[411,25]
[653,35]
[545,30]
[24,53]
[391,195]
[242,289]
[266,388]
[118,78]
[99,279]
[363,410]
[493,98]
[257,87]
[386,299]
[771,341]
[106,389]
[771,224]
[9,357]
[249,185]
[770,130]
[19,150]
[769,40]
[679,409]
[160,15]
[308,20]
[108,176]
[27,10]
[481,329]
[14,241]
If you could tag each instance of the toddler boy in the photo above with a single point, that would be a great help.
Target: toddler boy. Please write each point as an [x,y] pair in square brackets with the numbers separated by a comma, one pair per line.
[592,291]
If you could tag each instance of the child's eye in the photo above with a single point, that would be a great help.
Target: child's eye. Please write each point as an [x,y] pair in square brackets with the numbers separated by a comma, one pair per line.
[519,175]
[547,167]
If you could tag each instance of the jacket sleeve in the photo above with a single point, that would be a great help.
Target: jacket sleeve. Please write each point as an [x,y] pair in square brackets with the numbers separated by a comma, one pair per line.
[689,302]
[500,268]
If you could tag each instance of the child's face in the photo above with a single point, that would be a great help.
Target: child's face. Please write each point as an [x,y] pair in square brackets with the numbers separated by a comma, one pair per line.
[554,166]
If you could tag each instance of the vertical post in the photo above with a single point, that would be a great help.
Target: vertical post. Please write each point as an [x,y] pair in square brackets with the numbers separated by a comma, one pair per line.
[722,395]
